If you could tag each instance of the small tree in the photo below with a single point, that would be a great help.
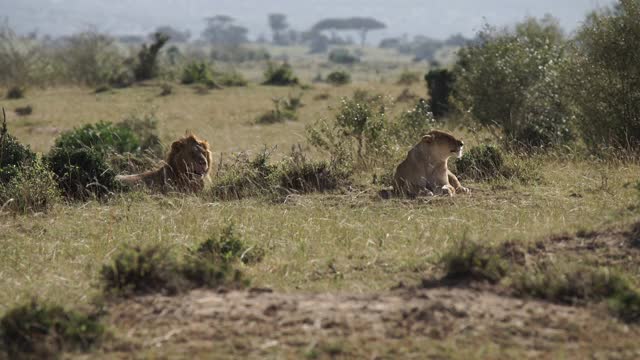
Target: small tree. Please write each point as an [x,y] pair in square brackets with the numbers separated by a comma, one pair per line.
[510,81]
[604,77]
[147,67]
[439,84]
[360,24]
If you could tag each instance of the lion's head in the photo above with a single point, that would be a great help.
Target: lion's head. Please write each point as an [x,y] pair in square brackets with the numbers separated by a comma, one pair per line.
[190,157]
[442,145]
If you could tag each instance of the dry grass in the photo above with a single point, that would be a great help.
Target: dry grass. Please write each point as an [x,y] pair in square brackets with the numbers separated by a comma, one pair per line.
[338,242]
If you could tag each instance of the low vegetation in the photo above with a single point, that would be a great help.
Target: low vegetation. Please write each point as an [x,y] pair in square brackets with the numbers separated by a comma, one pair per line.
[40,330]
[338,78]
[280,75]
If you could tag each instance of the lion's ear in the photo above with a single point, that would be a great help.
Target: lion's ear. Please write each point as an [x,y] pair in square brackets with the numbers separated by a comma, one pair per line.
[176,146]
[427,139]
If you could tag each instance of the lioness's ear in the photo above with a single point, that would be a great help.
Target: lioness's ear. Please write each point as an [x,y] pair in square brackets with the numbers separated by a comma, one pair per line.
[427,139]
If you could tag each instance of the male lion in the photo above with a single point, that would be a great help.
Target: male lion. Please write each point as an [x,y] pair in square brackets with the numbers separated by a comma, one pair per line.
[425,170]
[185,169]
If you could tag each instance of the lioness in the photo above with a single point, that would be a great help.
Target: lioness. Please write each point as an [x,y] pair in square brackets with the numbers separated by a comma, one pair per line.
[185,169]
[425,170]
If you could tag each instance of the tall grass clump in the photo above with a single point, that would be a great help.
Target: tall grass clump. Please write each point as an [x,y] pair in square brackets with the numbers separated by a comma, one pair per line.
[198,73]
[412,124]
[40,330]
[511,83]
[32,189]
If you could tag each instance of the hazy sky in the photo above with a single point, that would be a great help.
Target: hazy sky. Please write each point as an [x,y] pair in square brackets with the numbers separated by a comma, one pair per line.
[437,19]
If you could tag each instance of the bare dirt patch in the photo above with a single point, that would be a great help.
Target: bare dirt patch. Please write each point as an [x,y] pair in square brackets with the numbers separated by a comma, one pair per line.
[403,322]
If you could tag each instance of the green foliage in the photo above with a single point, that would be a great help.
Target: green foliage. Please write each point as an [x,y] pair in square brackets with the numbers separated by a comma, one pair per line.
[138,271]
[414,123]
[13,155]
[15,92]
[230,79]
[511,81]
[238,54]
[489,162]
[408,78]
[604,79]
[468,260]
[92,59]
[101,137]
[166,89]
[360,127]
[228,246]
[439,84]
[482,162]
[339,78]
[579,284]
[82,172]
[342,56]
[197,73]
[280,75]
[147,66]
[38,330]
[32,189]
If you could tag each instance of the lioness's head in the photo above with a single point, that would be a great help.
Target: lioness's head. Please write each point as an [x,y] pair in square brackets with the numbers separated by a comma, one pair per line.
[442,144]
[190,156]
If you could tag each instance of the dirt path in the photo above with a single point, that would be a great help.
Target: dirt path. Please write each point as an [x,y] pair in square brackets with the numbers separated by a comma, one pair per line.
[407,322]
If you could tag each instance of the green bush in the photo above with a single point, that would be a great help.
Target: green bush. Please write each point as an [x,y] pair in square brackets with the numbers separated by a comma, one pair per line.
[280,75]
[198,73]
[32,189]
[37,330]
[439,84]
[82,173]
[13,155]
[147,66]
[414,123]
[339,78]
[138,271]
[604,80]
[511,80]
[360,126]
[343,56]
[92,59]
[15,92]
[102,137]
[482,162]
[228,246]
[468,260]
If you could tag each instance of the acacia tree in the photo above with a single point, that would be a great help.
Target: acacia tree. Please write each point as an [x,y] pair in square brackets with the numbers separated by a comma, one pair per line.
[221,30]
[278,23]
[360,24]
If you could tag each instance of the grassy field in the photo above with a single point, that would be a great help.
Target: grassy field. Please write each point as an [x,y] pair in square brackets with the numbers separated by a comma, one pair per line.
[345,242]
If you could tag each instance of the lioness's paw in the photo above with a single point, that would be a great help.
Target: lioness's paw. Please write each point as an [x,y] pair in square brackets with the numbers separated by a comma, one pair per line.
[463,190]
[448,190]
